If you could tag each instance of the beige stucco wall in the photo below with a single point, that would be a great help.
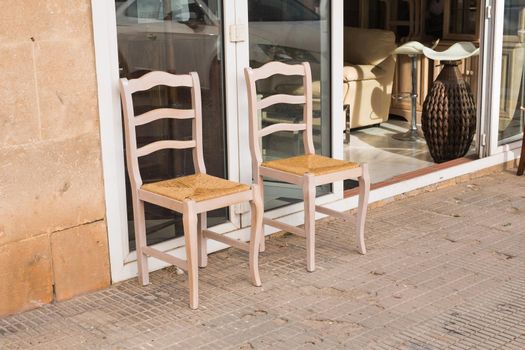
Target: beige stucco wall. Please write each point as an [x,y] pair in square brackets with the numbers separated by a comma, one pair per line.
[53,239]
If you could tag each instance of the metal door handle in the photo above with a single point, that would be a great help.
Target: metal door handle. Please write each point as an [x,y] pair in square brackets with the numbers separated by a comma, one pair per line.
[151,37]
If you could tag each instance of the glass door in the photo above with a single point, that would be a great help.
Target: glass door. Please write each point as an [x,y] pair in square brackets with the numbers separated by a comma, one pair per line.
[176,36]
[180,36]
[512,97]
[291,31]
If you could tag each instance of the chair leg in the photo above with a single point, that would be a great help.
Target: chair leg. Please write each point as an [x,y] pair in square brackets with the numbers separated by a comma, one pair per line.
[139,221]
[364,190]
[256,233]
[260,184]
[521,166]
[202,240]
[189,218]
[309,220]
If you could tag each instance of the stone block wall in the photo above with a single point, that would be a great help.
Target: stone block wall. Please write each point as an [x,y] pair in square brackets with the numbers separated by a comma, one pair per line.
[53,239]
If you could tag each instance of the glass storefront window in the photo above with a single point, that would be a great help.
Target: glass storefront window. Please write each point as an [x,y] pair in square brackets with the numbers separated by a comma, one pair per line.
[291,31]
[176,36]
[463,16]
[512,98]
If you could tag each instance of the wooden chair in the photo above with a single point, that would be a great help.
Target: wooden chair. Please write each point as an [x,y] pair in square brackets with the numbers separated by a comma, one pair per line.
[191,195]
[308,170]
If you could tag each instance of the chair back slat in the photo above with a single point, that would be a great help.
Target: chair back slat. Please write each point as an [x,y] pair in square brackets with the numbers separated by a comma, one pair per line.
[273,68]
[166,144]
[281,127]
[156,78]
[163,113]
[308,138]
[196,101]
[146,82]
[280,98]
[264,72]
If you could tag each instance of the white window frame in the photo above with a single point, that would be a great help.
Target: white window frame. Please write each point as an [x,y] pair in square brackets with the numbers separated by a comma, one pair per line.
[493,63]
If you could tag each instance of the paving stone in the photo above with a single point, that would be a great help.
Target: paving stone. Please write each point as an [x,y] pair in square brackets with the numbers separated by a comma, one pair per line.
[430,280]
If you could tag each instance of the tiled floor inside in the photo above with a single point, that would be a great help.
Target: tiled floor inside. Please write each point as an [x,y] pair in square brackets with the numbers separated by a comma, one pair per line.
[386,156]
[444,270]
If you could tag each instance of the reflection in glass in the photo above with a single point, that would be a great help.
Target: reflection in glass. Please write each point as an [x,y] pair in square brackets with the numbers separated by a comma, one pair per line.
[291,31]
[377,11]
[463,16]
[512,98]
[351,13]
[177,36]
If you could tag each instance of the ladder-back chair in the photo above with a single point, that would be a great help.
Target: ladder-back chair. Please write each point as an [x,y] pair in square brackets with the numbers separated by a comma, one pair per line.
[191,195]
[308,170]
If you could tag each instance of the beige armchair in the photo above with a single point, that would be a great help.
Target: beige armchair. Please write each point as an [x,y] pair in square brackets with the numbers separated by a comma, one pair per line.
[368,74]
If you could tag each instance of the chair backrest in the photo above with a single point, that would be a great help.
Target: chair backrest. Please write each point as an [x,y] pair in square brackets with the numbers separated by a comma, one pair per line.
[266,71]
[146,82]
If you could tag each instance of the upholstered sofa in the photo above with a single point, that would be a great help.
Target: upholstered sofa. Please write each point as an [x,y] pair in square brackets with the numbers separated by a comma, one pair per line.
[368,74]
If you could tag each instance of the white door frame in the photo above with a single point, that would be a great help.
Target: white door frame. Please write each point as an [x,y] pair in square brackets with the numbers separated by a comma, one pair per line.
[493,62]
[484,81]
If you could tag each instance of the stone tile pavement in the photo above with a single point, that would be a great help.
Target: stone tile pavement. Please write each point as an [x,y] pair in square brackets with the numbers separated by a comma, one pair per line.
[445,270]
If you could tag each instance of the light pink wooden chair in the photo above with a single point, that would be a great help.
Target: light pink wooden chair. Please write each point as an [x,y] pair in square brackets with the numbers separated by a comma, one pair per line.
[308,170]
[191,195]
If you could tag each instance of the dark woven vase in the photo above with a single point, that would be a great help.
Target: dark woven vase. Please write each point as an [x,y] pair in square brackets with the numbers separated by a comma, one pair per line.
[449,115]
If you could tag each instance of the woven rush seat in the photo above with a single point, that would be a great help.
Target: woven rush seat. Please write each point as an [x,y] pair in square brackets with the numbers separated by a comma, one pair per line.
[198,187]
[310,163]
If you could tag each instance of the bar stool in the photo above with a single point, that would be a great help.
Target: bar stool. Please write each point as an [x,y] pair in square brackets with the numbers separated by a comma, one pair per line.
[413,49]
